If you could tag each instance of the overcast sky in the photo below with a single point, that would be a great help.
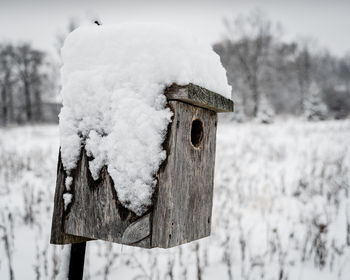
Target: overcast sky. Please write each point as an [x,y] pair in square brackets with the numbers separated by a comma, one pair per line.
[39,20]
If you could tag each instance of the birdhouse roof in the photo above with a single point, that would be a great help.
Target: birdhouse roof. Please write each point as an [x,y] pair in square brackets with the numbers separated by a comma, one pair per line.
[199,96]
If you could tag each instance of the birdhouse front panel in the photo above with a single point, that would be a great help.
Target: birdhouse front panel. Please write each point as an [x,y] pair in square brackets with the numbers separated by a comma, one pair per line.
[182,210]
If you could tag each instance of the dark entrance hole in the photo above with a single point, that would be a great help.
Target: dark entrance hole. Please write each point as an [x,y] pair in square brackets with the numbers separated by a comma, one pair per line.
[196,133]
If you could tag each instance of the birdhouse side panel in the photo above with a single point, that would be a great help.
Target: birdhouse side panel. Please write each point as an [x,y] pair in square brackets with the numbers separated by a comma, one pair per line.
[58,236]
[96,213]
[182,211]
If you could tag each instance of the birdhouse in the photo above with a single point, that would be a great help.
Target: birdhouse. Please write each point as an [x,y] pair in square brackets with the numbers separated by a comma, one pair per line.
[182,201]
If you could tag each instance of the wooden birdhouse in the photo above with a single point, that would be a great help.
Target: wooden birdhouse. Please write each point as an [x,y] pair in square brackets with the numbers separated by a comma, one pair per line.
[182,202]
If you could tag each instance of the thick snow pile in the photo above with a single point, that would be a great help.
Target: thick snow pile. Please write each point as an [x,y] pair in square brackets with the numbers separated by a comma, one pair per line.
[113,78]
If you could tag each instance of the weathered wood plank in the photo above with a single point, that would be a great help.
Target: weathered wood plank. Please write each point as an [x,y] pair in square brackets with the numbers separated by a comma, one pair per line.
[57,234]
[95,211]
[196,95]
[182,210]
[144,243]
[137,231]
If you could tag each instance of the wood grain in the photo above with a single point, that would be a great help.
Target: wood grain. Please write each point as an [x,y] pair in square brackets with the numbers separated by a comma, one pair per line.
[201,97]
[96,212]
[57,234]
[182,210]
[137,231]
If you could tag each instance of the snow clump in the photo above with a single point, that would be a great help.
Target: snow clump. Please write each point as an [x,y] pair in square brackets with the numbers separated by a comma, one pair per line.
[113,79]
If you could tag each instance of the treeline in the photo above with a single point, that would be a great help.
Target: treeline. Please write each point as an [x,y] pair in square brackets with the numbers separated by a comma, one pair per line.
[26,84]
[270,76]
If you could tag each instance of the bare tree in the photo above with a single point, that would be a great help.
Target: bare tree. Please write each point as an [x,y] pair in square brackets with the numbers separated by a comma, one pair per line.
[28,62]
[249,45]
[344,70]
[303,72]
[7,79]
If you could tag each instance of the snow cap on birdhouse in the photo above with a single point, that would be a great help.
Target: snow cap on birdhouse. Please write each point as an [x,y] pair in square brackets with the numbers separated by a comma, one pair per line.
[137,136]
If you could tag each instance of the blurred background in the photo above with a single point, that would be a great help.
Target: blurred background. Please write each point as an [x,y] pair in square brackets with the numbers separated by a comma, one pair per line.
[281,204]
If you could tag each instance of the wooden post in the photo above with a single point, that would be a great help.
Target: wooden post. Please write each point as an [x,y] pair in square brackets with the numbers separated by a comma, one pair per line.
[76,262]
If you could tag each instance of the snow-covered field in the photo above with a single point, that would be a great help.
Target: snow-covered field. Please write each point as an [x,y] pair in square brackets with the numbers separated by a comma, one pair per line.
[281,209]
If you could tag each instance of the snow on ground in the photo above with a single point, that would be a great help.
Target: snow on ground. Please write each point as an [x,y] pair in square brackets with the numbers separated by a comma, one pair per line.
[281,209]
[113,79]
